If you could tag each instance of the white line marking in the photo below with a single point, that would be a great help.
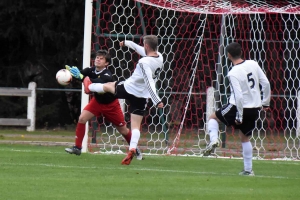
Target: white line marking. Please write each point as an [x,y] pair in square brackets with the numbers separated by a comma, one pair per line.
[285,162]
[139,169]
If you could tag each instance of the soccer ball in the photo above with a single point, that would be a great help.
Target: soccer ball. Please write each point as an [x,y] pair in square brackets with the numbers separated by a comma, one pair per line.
[64,77]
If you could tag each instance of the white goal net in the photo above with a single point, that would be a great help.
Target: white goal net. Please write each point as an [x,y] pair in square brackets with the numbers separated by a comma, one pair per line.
[192,36]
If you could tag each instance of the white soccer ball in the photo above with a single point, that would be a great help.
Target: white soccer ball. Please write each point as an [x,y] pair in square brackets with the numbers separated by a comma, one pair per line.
[64,77]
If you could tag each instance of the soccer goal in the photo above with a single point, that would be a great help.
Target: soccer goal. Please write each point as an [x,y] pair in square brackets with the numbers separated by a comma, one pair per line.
[192,37]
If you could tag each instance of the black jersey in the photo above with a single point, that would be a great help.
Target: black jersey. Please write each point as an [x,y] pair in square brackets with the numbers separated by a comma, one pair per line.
[103,76]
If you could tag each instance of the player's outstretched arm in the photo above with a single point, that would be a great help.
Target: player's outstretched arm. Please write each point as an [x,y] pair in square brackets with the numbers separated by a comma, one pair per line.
[139,49]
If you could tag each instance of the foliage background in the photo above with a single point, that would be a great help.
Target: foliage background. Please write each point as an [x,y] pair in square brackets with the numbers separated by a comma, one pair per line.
[37,39]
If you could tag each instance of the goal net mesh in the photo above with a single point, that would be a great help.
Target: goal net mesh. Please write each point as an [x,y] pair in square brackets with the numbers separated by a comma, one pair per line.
[192,37]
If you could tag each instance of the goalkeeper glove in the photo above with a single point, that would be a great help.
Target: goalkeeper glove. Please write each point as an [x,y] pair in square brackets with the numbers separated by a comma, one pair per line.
[68,67]
[76,73]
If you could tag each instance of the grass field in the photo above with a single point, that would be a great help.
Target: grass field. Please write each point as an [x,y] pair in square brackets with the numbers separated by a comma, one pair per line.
[47,172]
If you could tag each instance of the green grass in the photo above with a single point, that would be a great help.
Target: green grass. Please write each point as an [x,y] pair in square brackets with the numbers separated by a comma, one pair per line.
[38,135]
[43,172]
[39,132]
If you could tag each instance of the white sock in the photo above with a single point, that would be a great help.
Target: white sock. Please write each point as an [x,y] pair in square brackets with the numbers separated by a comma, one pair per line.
[135,136]
[247,155]
[213,129]
[96,87]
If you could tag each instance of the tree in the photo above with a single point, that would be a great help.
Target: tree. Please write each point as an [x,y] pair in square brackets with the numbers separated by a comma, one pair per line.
[37,39]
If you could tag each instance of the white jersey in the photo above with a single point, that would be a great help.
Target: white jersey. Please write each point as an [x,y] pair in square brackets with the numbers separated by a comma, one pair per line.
[143,80]
[245,79]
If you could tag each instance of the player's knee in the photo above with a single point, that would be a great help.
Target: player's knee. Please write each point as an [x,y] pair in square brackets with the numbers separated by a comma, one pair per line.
[213,116]
[244,137]
[109,87]
[82,119]
[105,87]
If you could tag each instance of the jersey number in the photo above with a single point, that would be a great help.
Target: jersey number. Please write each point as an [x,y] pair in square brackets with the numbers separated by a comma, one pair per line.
[251,80]
[156,73]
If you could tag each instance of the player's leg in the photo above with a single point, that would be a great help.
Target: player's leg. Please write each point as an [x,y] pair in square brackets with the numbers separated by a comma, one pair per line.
[88,113]
[80,132]
[213,130]
[99,87]
[226,115]
[113,113]
[126,133]
[213,127]
[136,121]
[247,155]
[249,119]
[137,109]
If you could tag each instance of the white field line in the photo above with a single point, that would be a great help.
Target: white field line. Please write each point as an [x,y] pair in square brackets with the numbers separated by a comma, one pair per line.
[274,161]
[138,169]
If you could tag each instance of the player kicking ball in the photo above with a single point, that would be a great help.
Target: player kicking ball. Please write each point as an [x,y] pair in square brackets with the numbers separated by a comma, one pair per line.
[137,88]
[106,105]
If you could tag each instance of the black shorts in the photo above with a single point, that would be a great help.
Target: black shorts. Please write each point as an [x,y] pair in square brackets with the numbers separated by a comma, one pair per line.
[227,115]
[137,105]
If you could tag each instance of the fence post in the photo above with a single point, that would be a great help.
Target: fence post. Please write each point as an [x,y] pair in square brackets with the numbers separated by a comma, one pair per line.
[31,106]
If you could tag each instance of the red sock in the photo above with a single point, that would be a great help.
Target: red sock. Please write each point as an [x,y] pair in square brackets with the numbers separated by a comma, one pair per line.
[128,137]
[80,131]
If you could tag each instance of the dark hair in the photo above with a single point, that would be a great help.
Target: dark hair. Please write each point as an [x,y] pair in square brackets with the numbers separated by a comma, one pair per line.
[105,54]
[235,50]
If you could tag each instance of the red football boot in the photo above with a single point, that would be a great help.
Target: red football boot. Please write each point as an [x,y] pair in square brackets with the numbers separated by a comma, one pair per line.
[128,158]
[86,83]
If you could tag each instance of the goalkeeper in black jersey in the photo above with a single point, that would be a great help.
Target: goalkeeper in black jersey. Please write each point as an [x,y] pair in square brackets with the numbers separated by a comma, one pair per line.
[106,105]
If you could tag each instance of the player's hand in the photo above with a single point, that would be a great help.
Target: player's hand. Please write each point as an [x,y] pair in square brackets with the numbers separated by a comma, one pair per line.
[122,44]
[68,67]
[76,73]
[238,122]
[238,119]
[265,108]
[160,105]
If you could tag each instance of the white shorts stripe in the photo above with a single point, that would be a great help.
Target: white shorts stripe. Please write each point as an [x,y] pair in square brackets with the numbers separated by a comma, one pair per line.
[227,109]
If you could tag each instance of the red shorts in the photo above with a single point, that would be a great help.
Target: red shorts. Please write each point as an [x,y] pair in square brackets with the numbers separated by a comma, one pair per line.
[112,111]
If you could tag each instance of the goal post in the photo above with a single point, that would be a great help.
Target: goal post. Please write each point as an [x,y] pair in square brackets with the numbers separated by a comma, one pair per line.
[86,61]
[192,38]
